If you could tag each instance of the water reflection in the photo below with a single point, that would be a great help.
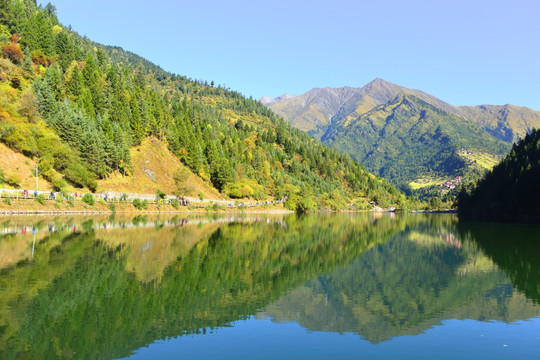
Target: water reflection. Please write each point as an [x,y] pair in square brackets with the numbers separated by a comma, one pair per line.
[103,287]
[426,274]
[514,248]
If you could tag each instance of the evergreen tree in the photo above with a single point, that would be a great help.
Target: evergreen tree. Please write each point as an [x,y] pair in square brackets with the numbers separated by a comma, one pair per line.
[5,13]
[27,64]
[18,16]
[136,122]
[64,49]
[38,34]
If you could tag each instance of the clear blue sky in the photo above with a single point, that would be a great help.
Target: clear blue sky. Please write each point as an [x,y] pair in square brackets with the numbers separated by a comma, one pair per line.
[466,52]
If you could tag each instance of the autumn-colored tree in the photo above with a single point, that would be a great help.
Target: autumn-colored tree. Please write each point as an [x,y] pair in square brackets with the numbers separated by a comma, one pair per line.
[181,182]
[13,52]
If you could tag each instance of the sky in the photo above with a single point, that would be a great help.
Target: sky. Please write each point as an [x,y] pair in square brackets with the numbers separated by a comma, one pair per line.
[468,52]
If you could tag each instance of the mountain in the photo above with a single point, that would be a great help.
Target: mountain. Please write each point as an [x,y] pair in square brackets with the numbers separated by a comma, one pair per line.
[507,122]
[511,192]
[410,137]
[313,111]
[81,111]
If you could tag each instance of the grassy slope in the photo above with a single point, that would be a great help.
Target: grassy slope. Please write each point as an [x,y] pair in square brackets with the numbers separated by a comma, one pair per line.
[17,166]
[480,161]
[506,122]
[153,166]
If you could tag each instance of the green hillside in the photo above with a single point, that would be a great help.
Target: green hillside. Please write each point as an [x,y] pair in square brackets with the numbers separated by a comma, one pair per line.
[407,138]
[416,158]
[77,108]
[511,191]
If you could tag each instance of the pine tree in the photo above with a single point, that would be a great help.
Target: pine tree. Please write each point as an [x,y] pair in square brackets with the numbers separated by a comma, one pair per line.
[136,125]
[65,49]
[46,98]
[38,35]
[27,64]
[74,86]
[5,13]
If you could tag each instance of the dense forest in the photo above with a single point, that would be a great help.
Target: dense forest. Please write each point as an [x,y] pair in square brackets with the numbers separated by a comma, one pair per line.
[511,192]
[78,107]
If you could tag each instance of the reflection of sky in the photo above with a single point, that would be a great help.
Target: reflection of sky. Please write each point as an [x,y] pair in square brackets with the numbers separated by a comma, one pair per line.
[264,339]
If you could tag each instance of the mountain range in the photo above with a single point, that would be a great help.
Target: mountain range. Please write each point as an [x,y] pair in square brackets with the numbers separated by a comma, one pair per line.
[405,134]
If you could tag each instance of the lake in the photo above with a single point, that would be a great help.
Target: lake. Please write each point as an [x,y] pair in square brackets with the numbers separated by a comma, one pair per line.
[263,286]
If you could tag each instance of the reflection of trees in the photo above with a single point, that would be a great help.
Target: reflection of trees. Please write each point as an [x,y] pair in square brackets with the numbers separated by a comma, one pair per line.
[103,293]
[419,278]
[515,250]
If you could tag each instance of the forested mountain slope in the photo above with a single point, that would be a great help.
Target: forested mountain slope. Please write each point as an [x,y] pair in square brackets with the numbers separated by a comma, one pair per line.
[511,192]
[408,138]
[78,108]
[474,136]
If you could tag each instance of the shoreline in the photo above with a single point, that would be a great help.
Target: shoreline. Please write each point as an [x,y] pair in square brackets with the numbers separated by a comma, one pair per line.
[81,212]
[4,212]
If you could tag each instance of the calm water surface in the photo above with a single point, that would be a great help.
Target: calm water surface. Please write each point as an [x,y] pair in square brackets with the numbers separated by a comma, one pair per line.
[341,286]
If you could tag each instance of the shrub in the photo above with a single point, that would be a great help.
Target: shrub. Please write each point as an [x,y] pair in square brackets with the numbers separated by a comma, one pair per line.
[80,176]
[59,184]
[140,205]
[175,204]
[58,202]
[7,201]
[14,180]
[40,198]
[112,207]
[13,52]
[40,58]
[88,199]
[305,205]
[160,195]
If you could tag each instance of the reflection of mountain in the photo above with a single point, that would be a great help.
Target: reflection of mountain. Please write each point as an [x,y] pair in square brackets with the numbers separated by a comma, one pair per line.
[516,253]
[405,286]
[104,293]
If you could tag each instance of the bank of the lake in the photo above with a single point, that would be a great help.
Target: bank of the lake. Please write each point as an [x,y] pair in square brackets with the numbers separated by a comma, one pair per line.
[29,206]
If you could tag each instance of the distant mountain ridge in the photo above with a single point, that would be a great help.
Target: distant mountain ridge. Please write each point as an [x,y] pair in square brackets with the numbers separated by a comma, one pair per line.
[404,134]
[314,110]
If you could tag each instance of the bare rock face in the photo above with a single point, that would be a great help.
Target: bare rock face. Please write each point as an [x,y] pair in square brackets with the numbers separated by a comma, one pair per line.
[150,174]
